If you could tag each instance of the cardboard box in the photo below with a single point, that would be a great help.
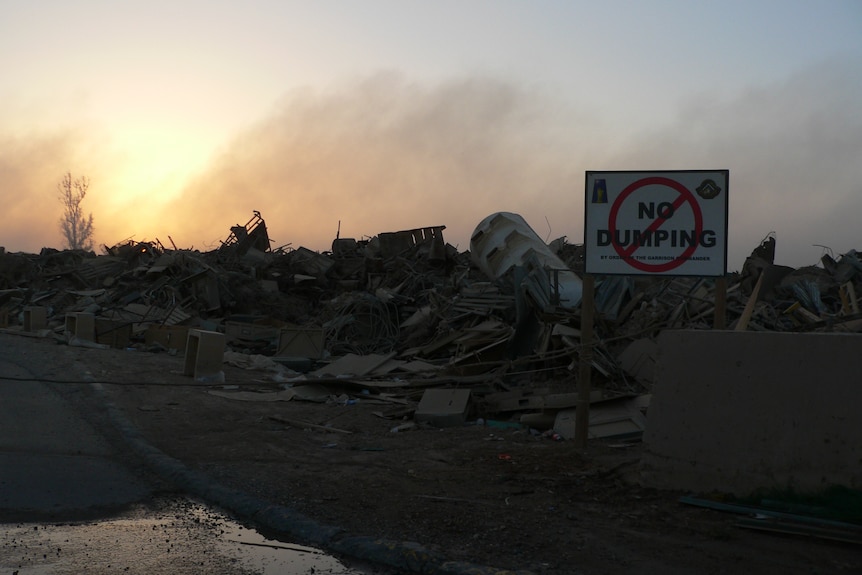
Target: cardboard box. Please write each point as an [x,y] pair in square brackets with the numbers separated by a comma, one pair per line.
[443,407]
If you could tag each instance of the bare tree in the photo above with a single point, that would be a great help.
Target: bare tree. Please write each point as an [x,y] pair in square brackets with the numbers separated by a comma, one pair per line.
[77,228]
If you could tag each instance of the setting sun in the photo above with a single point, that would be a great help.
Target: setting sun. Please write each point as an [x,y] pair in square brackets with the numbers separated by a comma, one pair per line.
[150,166]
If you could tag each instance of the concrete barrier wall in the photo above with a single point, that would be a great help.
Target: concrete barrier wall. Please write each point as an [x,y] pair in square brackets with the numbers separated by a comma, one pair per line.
[739,411]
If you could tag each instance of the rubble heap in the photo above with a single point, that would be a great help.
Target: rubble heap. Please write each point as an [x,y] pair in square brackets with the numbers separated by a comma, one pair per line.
[408,307]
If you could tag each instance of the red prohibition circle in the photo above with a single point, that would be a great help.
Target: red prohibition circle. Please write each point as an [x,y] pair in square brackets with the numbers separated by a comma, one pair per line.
[684,196]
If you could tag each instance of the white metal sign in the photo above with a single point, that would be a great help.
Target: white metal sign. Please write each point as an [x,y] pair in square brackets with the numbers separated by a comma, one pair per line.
[665,223]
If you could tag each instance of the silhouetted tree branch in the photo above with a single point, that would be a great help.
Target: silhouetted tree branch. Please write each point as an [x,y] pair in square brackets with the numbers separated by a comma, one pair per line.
[77,228]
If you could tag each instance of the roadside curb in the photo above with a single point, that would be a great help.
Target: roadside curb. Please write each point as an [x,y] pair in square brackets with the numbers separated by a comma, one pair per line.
[406,556]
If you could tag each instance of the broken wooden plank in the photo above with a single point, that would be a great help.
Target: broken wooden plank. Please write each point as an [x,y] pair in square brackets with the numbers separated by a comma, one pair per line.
[765,512]
[742,324]
[774,525]
[849,302]
[620,418]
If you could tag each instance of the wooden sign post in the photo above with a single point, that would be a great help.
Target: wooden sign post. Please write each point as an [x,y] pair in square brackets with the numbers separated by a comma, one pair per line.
[650,223]
[582,414]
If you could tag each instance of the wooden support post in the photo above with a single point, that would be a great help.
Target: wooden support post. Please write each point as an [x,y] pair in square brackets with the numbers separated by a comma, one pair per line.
[582,413]
[720,321]
[742,324]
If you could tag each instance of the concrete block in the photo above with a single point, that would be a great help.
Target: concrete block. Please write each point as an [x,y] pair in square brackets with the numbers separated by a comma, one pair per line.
[443,407]
[204,354]
[35,318]
[81,325]
[740,411]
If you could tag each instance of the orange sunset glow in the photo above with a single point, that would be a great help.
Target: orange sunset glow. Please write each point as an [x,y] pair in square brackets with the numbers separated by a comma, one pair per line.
[323,115]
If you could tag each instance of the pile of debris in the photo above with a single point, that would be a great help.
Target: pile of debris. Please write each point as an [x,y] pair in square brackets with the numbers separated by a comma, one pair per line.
[500,322]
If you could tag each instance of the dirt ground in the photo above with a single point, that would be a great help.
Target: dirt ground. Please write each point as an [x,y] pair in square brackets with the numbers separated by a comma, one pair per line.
[500,497]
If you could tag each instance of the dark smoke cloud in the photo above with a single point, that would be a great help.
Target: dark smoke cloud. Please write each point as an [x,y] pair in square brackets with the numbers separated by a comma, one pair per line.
[793,149]
[384,154]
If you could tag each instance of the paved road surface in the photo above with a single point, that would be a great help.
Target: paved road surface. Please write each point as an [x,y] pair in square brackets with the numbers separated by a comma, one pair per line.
[53,464]
[72,501]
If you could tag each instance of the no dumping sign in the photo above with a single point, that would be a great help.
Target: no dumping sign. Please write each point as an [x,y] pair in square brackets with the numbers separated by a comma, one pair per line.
[656,223]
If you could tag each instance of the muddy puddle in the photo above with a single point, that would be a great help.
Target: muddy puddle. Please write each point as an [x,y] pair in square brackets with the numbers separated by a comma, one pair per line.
[176,537]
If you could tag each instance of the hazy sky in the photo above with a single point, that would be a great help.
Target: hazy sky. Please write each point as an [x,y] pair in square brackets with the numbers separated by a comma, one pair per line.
[187,115]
